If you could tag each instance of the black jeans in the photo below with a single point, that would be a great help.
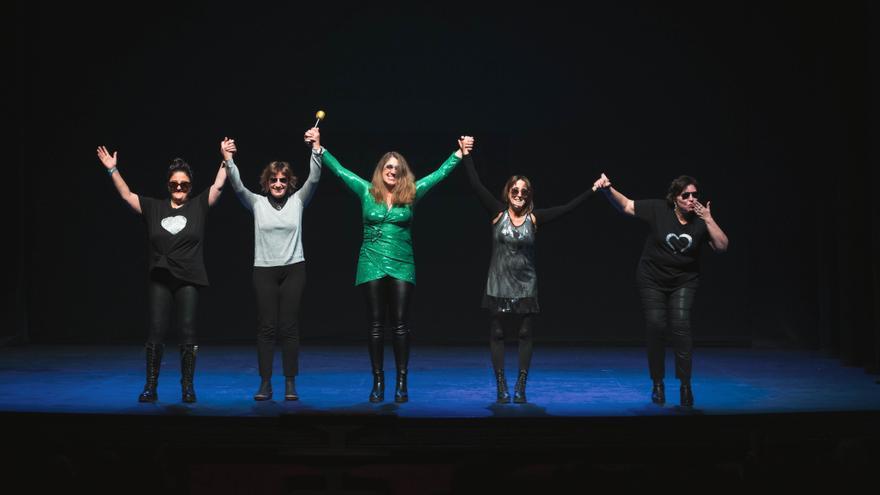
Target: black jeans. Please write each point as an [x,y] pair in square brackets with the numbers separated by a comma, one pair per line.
[279,291]
[496,339]
[669,309]
[388,300]
[164,291]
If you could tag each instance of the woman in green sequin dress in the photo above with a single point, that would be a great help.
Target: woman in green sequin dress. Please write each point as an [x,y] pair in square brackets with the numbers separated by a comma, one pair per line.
[386,269]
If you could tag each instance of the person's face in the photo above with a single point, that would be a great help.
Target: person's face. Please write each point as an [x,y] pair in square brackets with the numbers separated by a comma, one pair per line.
[278,185]
[390,171]
[518,195]
[687,199]
[179,186]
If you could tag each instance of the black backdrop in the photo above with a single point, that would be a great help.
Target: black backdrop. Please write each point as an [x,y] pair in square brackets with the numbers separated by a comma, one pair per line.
[769,106]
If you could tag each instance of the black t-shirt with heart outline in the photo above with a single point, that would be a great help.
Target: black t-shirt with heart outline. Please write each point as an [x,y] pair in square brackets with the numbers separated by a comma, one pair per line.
[671,256]
[176,237]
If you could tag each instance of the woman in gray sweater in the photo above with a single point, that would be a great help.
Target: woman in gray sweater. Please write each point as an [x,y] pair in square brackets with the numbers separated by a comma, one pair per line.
[279,265]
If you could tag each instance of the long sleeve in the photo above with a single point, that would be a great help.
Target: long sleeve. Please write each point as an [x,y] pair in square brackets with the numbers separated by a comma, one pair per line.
[489,202]
[427,182]
[350,179]
[306,192]
[547,215]
[247,198]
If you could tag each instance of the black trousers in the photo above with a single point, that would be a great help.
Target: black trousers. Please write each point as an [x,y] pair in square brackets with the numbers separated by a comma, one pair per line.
[388,300]
[496,339]
[669,310]
[279,291]
[164,291]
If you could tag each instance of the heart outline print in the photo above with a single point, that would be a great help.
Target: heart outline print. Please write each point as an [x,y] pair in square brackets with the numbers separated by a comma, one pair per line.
[174,224]
[678,240]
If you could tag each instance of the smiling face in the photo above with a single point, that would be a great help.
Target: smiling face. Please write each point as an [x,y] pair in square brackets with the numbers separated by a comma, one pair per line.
[179,185]
[278,185]
[390,172]
[518,194]
[277,179]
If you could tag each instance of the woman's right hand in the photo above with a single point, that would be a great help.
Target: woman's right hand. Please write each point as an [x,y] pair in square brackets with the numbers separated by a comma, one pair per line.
[603,182]
[108,160]
[227,148]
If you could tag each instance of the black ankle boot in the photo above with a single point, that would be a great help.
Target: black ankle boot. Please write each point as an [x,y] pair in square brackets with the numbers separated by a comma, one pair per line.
[154,361]
[187,370]
[658,393]
[378,392]
[687,395]
[400,392]
[519,390]
[501,384]
[265,390]
[290,388]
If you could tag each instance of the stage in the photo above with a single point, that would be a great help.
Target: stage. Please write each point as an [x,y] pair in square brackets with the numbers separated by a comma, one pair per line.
[761,416]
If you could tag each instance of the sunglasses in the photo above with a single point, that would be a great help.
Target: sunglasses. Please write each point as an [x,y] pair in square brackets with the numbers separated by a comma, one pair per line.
[179,186]
[686,195]
[282,180]
[515,191]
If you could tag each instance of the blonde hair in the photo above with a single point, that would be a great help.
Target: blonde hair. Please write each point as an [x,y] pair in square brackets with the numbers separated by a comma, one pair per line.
[404,192]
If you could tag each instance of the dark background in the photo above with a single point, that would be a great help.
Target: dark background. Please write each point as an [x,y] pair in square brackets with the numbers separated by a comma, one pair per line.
[771,107]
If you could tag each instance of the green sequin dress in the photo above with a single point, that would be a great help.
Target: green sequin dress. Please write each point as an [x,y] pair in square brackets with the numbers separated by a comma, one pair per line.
[387,247]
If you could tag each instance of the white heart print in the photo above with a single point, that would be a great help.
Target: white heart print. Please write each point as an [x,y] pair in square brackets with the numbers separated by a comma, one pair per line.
[681,239]
[174,224]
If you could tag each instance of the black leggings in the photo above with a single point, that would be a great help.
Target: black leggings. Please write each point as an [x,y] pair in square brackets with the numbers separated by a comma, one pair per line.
[279,291]
[672,309]
[388,299]
[164,290]
[496,339]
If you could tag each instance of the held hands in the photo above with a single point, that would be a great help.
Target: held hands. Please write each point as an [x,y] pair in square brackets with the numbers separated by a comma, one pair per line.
[313,137]
[465,145]
[227,148]
[108,160]
[704,212]
[603,182]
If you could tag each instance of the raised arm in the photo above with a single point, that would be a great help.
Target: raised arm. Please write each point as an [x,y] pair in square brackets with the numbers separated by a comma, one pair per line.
[427,182]
[490,203]
[615,197]
[717,238]
[109,162]
[305,193]
[350,179]
[544,216]
[247,198]
[227,148]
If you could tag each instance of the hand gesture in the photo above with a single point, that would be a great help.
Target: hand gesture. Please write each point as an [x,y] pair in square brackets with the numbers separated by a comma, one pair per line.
[106,158]
[227,148]
[313,137]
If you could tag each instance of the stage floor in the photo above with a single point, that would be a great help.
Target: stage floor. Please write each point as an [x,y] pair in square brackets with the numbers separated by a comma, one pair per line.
[445,382]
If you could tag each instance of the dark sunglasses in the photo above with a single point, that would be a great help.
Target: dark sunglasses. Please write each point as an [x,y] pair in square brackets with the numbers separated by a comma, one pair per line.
[686,195]
[282,180]
[515,191]
[179,186]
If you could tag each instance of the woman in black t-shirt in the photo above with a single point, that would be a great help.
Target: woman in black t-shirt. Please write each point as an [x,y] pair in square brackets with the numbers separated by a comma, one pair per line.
[176,231]
[668,273]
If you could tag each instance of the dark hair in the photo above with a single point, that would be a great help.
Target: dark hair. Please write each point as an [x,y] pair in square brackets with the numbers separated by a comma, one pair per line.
[505,193]
[273,168]
[179,165]
[677,186]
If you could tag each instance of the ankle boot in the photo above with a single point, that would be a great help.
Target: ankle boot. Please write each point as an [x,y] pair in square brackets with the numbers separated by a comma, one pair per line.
[265,390]
[503,396]
[187,370]
[378,392]
[687,395]
[290,388]
[154,361]
[658,393]
[519,390]
[400,392]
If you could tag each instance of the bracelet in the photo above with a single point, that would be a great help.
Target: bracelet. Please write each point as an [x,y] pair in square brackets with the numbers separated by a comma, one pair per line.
[111,170]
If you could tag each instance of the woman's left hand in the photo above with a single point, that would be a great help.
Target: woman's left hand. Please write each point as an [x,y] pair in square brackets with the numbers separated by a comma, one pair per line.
[704,212]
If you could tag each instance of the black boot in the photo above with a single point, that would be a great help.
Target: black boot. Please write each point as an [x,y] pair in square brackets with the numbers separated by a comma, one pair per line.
[154,361]
[290,388]
[187,370]
[658,393]
[501,384]
[519,390]
[378,392]
[400,393]
[687,395]
[265,390]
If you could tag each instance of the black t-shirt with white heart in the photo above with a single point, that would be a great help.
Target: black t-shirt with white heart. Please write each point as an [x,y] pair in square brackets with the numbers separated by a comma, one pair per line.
[671,256]
[177,236]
